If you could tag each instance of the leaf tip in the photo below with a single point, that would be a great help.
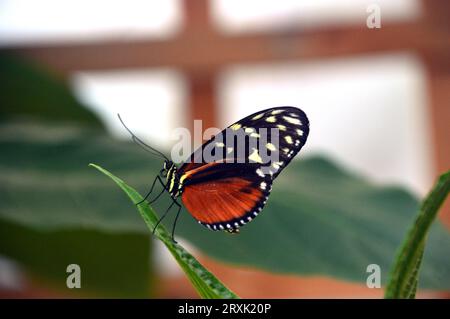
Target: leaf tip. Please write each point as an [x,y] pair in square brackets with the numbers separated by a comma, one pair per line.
[93,165]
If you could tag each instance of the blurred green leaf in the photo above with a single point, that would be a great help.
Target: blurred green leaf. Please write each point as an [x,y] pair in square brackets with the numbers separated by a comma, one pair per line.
[28,91]
[319,220]
[109,268]
[405,274]
[206,284]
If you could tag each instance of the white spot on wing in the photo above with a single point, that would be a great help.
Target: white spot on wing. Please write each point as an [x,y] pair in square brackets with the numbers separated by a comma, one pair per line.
[275,112]
[281,127]
[236,126]
[257,117]
[260,172]
[255,156]
[277,165]
[292,120]
[271,147]
[271,119]
[288,139]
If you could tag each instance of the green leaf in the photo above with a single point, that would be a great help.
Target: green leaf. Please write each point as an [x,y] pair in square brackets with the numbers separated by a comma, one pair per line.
[405,273]
[102,257]
[320,219]
[206,284]
[29,91]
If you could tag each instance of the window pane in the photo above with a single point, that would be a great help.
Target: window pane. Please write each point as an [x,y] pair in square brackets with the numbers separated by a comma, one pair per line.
[368,113]
[251,15]
[150,102]
[25,21]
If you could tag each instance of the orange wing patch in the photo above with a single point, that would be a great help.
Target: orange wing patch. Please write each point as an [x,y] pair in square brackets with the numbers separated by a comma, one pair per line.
[228,201]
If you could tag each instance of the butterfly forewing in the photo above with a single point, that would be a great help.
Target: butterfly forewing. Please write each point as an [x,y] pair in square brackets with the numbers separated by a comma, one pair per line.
[227,180]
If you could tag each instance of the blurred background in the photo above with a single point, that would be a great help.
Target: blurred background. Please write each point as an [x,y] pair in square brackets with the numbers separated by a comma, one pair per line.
[377,99]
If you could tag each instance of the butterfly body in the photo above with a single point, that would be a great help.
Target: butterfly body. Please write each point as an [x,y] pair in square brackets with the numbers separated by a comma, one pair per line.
[225,183]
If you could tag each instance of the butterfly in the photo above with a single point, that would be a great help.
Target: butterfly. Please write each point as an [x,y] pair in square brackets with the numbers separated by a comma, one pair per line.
[226,182]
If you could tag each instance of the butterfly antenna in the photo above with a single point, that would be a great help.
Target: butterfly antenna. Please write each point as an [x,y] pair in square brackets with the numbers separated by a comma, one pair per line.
[139,142]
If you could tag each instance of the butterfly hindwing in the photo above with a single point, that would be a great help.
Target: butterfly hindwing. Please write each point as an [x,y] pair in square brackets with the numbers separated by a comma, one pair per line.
[226,196]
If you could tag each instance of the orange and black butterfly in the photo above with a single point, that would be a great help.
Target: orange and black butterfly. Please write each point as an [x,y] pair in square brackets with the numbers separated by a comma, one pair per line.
[226,182]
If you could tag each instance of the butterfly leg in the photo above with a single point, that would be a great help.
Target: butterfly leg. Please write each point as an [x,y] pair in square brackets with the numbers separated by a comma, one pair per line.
[151,190]
[163,216]
[175,221]
[162,192]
